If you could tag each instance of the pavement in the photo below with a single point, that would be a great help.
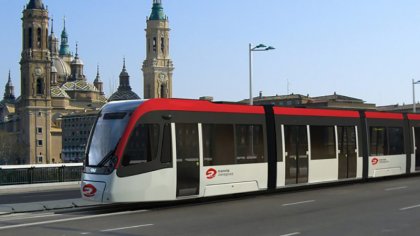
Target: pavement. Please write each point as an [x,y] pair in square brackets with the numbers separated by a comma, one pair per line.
[42,205]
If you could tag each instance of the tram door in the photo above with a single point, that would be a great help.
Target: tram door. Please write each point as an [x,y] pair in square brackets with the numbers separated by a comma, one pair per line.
[347,157]
[296,148]
[417,145]
[188,161]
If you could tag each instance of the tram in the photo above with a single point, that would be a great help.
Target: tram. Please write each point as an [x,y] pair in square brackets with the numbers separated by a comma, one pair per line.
[173,149]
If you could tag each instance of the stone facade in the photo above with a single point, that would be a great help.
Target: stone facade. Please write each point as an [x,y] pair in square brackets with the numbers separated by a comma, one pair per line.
[53,116]
[53,85]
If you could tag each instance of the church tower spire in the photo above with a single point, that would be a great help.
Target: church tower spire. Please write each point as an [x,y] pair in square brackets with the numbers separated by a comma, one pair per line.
[124,79]
[124,90]
[158,67]
[76,66]
[98,82]
[53,42]
[9,92]
[64,47]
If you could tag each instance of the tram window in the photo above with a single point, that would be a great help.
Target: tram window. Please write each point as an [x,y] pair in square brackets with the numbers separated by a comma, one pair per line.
[378,141]
[218,144]
[187,142]
[322,142]
[249,144]
[166,145]
[114,116]
[386,141]
[142,145]
[396,141]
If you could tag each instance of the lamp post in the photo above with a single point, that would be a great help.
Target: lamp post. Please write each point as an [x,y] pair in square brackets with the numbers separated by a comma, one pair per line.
[414,94]
[258,48]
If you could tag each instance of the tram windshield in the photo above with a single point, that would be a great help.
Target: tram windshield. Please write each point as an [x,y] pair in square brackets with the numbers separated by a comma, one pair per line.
[108,130]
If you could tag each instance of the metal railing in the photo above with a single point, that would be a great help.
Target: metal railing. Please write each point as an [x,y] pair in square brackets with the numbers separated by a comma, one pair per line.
[32,174]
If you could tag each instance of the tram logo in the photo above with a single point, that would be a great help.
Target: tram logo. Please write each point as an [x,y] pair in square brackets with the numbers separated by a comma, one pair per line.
[211,173]
[375,161]
[89,190]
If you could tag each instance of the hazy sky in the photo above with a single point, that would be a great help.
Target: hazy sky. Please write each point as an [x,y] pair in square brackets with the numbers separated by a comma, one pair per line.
[364,49]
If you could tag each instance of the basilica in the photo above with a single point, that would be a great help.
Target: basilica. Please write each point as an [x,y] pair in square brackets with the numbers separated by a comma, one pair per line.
[54,86]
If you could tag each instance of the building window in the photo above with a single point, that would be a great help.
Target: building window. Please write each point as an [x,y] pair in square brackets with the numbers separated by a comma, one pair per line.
[154,44]
[162,45]
[39,38]
[39,142]
[163,91]
[39,130]
[39,87]
[46,33]
[30,38]
[39,158]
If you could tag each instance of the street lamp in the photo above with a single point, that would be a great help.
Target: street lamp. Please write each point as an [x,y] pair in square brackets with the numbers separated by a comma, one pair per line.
[414,95]
[258,48]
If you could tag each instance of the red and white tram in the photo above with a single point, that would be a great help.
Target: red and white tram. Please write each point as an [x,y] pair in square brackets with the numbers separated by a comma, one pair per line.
[169,149]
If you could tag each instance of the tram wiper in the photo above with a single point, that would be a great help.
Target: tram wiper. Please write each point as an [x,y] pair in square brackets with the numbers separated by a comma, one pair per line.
[108,157]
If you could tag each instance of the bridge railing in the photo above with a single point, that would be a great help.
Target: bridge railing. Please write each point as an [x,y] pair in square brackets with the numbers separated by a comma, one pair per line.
[43,173]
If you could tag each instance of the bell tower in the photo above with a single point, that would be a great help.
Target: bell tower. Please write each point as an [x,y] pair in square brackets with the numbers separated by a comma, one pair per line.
[35,103]
[158,67]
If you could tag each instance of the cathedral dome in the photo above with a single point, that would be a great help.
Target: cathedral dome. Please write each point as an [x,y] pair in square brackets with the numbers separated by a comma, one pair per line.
[157,11]
[123,95]
[63,69]
[77,61]
[35,4]
[124,90]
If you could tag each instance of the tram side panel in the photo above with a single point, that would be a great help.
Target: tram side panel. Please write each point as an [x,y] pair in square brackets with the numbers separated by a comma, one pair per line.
[217,153]
[386,137]
[146,171]
[317,148]
[414,150]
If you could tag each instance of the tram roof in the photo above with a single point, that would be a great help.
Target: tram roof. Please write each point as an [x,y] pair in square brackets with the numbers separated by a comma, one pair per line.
[162,104]
[290,111]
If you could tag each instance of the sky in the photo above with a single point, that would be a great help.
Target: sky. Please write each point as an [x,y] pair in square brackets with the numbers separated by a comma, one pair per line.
[364,49]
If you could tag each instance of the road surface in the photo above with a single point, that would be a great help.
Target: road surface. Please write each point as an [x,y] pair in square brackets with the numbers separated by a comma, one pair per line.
[390,207]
